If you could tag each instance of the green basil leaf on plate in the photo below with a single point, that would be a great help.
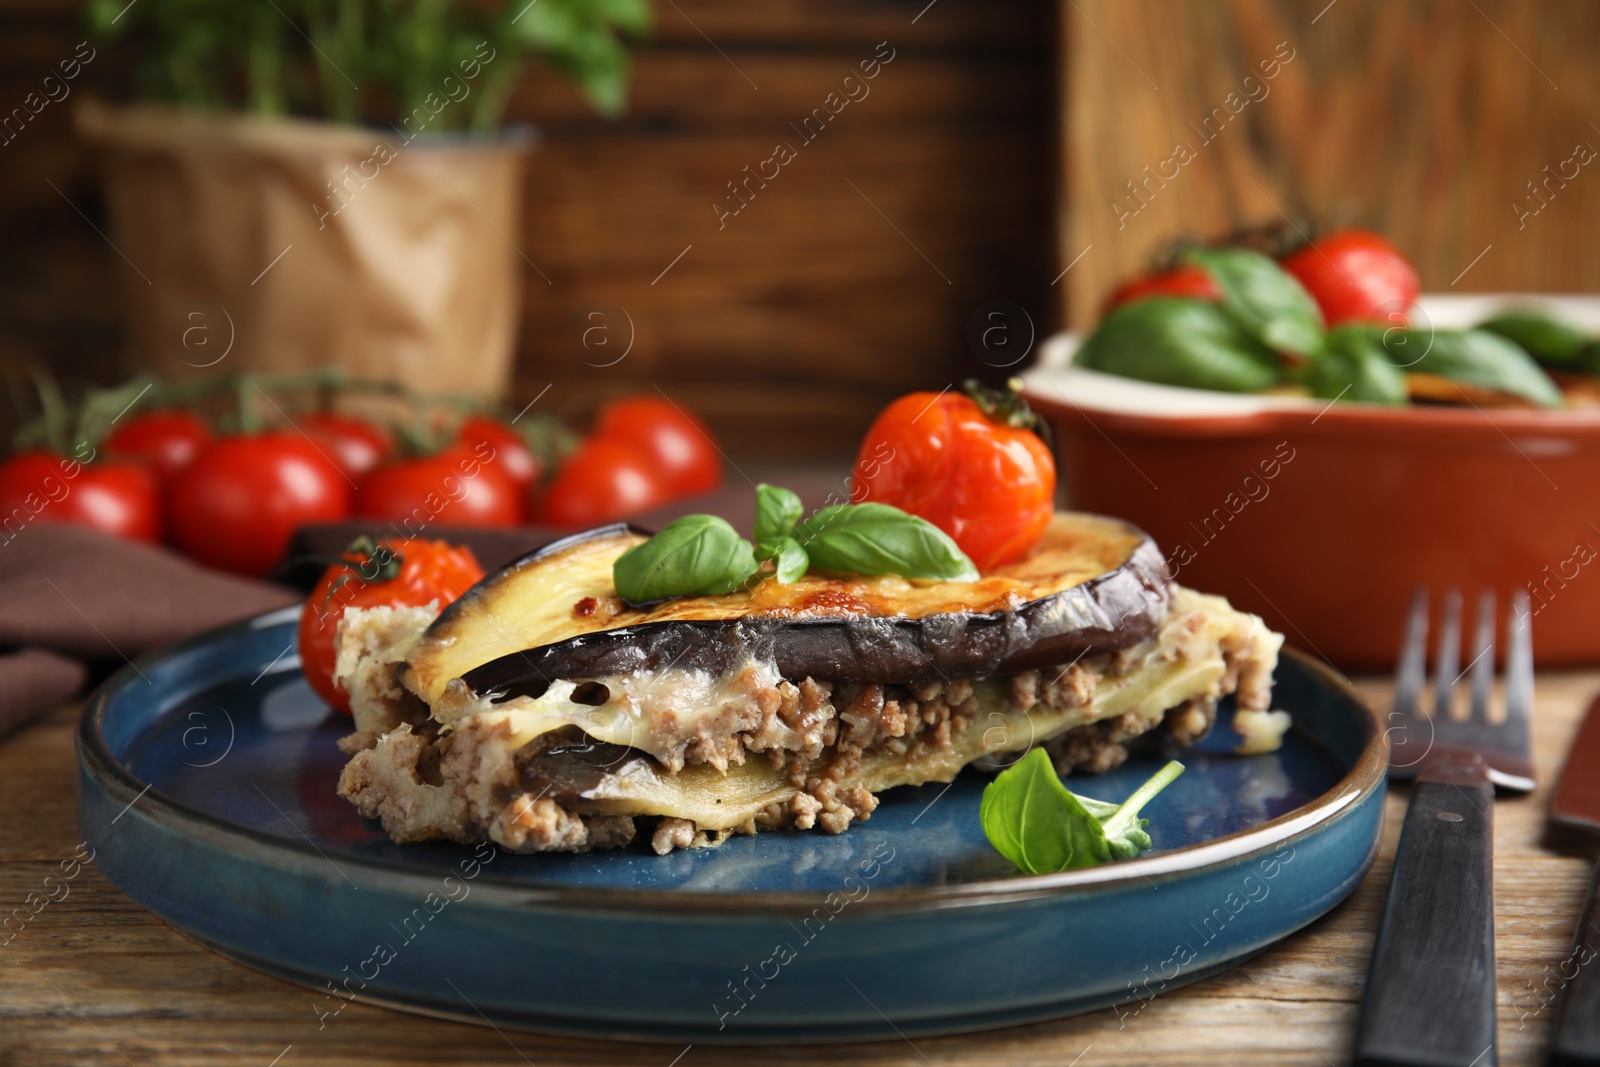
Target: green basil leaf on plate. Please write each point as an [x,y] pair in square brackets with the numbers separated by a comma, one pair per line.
[777,510]
[1266,300]
[1177,341]
[879,539]
[697,555]
[1547,339]
[1038,824]
[1354,365]
[1473,357]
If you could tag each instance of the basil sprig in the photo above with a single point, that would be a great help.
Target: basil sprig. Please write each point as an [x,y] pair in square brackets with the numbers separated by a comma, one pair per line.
[1476,357]
[1547,339]
[879,539]
[1355,365]
[701,555]
[697,555]
[1266,300]
[1175,341]
[1037,823]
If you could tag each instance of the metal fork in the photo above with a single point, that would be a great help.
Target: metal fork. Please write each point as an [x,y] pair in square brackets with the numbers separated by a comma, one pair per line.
[1430,995]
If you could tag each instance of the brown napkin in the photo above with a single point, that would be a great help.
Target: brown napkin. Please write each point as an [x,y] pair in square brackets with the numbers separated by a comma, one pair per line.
[72,599]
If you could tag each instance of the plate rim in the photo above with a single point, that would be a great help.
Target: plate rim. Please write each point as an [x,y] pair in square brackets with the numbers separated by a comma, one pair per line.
[1369,774]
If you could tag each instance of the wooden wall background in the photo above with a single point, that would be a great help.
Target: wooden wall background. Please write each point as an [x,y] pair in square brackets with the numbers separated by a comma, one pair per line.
[847,281]
[1423,119]
[980,166]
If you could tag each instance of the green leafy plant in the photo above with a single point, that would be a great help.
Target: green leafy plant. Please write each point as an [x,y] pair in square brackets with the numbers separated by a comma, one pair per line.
[699,555]
[1037,823]
[372,60]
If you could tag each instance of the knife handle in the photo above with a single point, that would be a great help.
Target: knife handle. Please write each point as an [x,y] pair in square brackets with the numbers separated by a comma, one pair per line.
[1577,1039]
[1430,995]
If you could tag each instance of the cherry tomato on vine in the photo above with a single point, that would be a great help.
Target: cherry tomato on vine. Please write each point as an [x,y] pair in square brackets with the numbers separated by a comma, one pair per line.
[166,440]
[1186,281]
[355,445]
[1356,276]
[120,498]
[676,443]
[511,453]
[460,485]
[394,573]
[236,506]
[971,468]
[602,481]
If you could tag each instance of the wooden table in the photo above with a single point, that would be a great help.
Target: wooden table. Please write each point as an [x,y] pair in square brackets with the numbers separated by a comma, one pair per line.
[94,978]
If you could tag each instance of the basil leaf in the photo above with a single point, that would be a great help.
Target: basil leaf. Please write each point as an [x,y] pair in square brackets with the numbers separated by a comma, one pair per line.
[1035,822]
[1544,337]
[791,560]
[879,539]
[1354,365]
[697,555]
[1475,357]
[1172,341]
[1266,300]
[777,510]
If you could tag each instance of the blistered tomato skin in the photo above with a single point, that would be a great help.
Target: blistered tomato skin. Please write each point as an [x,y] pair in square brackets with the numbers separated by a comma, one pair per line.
[989,486]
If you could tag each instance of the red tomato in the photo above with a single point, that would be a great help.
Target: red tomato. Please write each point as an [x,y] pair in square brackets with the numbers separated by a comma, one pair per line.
[988,485]
[236,506]
[117,498]
[355,445]
[604,480]
[511,453]
[459,485]
[1187,281]
[165,441]
[674,441]
[393,573]
[1356,276]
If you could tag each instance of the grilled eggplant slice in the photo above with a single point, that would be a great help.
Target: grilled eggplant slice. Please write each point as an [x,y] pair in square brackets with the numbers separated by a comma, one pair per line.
[1091,585]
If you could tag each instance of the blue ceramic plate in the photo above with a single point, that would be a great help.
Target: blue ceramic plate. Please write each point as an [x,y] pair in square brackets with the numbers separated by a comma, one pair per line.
[206,786]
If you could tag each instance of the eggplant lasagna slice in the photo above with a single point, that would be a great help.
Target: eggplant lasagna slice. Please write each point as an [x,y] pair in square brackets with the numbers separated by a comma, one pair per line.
[544,713]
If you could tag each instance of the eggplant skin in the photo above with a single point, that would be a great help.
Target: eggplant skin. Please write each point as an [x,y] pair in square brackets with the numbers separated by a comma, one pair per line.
[1117,609]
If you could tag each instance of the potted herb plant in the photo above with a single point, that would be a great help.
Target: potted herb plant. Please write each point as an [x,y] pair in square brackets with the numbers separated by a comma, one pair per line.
[316,183]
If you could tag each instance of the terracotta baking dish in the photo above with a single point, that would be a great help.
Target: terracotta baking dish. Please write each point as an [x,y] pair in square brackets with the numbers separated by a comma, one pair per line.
[1324,518]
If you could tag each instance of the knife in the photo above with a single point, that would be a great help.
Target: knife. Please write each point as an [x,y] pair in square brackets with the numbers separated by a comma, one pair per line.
[1577,805]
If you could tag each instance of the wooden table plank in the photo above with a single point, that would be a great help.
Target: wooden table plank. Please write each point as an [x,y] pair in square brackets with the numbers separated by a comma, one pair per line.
[93,978]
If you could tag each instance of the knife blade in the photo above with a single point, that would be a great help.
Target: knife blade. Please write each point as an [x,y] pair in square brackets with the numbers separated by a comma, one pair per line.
[1577,805]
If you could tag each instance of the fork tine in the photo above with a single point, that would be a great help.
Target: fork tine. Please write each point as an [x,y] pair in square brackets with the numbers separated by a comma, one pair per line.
[1448,660]
[1483,657]
[1413,657]
[1519,669]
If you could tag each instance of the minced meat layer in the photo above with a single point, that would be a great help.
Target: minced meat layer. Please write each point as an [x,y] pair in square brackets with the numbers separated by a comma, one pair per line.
[529,796]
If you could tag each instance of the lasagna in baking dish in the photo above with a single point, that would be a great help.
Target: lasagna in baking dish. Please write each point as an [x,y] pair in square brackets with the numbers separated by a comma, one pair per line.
[544,712]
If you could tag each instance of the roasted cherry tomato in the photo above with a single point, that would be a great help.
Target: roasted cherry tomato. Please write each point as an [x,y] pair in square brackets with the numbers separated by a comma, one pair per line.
[120,498]
[166,441]
[511,453]
[1186,281]
[236,506]
[1356,276]
[602,481]
[460,485]
[676,443]
[355,445]
[392,573]
[971,469]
